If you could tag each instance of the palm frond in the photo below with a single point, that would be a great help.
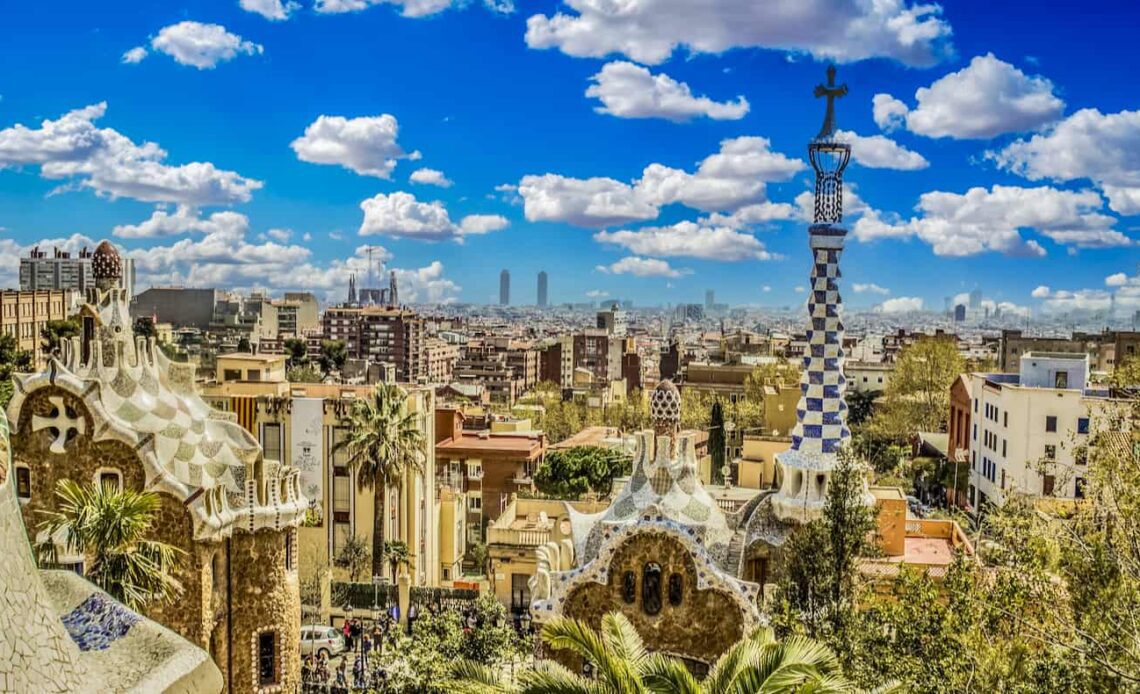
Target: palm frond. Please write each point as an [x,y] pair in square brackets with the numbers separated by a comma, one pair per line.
[548,677]
[477,678]
[576,636]
[665,675]
[622,639]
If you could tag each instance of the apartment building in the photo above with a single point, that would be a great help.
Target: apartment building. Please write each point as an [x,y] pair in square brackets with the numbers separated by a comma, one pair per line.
[300,424]
[1029,431]
[381,334]
[1104,349]
[23,314]
[66,270]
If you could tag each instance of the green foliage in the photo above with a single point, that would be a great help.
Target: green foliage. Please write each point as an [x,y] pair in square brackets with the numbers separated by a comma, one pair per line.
[881,452]
[55,332]
[303,374]
[917,397]
[621,664]
[716,441]
[818,576]
[334,353]
[860,406]
[109,527]
[355,556]
[143,327]
[12,360]
[385,440]
[570,473]
[477,553]
[296,351]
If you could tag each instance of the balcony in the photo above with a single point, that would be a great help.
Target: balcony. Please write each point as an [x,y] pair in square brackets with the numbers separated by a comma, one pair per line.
[523,537]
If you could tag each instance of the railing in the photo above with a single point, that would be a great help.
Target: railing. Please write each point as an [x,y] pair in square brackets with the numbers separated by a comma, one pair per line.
[921,527]
[731,505]
[516,536]
[361,595]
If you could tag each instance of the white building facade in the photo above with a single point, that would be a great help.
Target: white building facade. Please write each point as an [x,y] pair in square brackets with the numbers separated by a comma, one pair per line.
[1030,430]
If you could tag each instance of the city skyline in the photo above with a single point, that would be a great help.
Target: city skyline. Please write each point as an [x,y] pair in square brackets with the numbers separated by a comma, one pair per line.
[234,164]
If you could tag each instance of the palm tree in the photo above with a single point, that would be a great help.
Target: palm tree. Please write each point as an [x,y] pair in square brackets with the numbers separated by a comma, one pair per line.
[397,553]
[385,441]
[622,665]
[109,525]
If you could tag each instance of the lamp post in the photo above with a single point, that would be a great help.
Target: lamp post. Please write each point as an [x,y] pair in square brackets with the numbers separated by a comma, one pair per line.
[729,427]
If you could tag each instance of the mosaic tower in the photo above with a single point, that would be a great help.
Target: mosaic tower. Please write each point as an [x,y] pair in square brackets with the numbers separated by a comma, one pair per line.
[821,415]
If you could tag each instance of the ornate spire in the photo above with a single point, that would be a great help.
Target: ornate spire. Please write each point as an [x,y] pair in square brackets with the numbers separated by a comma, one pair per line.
[665,409]
[828,157]
[106,266]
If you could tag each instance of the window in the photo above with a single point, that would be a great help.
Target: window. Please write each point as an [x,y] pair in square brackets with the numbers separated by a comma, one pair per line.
[1050,452]
[1003,443]
[267,658]
[1048,482]
[1051,424]
[231,374]
[675,589]
[629,588]
[1079,489]
[1005,419]
[975,432]
[111,479]
[1082,425]
[975,407]
[290,559]
[446,574]
[271,441]
[1061,379]
[23,482]
[475,503]
[1003,478]
[651,588]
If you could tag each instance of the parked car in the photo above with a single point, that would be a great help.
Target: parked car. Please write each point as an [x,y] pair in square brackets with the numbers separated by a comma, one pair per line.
[318,639]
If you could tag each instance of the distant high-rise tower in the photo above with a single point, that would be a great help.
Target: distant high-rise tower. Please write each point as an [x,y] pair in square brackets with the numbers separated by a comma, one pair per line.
[504,288]
[710,298]
[542,289]
[352,289]
[393,292]
[976,299]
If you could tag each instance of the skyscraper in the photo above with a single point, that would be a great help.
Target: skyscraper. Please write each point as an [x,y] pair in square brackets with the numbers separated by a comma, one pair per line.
[976,299]
[710,298]
[542,289]
[504,288]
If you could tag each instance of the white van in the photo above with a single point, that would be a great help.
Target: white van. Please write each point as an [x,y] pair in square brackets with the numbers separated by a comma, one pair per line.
[318,639]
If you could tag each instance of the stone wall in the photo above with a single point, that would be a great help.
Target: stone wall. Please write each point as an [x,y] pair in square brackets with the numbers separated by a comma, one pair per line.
[702,627]
[265,597]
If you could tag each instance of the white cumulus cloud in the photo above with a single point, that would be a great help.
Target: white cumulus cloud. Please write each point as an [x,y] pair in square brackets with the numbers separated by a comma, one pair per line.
[880,152]
[408,8]
[642,267]
[431,177]
[734,177]
[632,91]
[135,55]
[688,239]
[273,10]
[366,145]
[73,148]
[401,215]
[1103,148]
[986,98]
[649,31]
[982,220]
[900,304]
[869,287]
[1040,292]
[201,45]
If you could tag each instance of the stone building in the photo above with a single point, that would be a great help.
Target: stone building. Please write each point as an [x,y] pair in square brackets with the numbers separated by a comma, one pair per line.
[114,410]
[23,314]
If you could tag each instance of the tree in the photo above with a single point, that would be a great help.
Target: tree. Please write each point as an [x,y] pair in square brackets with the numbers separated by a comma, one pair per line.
[717,441]
[144,327]
[12,360]
[477,552]
[571,472]
[917,397]
[860,406]
[334,354]
[621,663]
[696,406]
[110,526]
[296,351]
[819,571]
[385,442]
[396,552]
[55,332]
[355,556]
[302,374]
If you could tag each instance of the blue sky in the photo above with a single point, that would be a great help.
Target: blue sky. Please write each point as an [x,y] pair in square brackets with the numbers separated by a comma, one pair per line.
[283,138]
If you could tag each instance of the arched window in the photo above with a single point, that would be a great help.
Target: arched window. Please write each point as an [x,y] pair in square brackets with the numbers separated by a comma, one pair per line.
[651,588]
[629,588]
[675,585]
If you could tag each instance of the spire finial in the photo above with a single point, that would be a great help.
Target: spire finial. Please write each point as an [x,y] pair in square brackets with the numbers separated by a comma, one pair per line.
[832,92]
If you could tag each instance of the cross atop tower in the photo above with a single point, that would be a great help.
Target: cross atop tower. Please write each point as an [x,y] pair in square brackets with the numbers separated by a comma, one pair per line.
[832,93]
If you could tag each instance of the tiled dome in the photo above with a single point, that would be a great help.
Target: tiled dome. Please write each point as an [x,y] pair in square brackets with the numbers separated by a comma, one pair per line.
[106,262]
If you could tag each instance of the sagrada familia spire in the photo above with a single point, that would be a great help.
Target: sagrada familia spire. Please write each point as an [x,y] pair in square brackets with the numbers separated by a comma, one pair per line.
[821,415]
